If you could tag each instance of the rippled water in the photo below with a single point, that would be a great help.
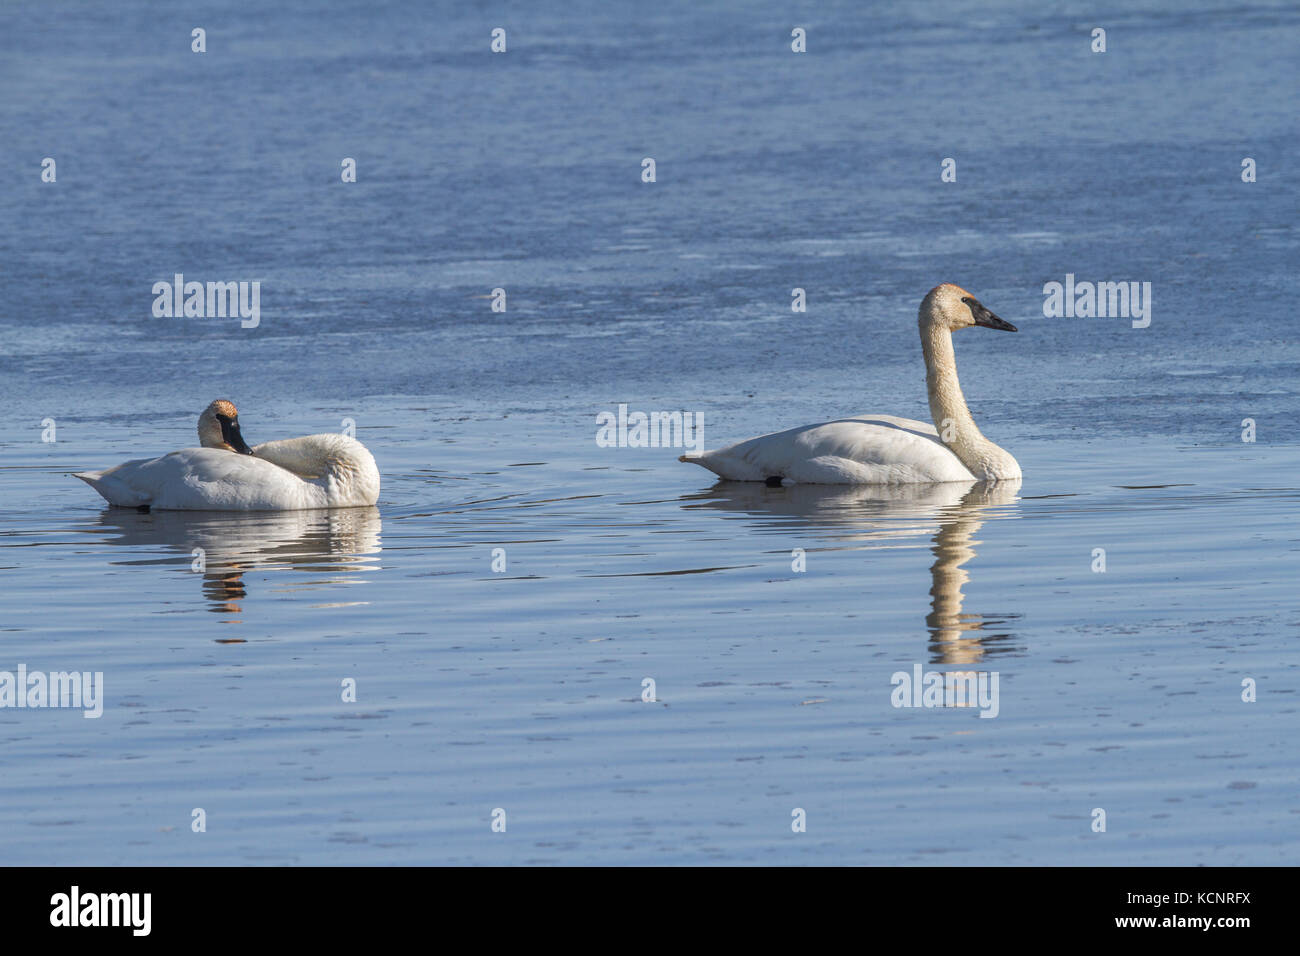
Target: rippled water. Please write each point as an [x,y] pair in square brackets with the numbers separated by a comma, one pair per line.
[522,688]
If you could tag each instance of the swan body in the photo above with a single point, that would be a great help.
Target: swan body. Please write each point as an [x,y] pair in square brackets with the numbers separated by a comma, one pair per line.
[884,449]
[224,474]
[862,450]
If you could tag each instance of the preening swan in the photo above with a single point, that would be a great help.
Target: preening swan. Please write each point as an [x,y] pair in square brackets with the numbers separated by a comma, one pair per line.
[883,449]
[316,471]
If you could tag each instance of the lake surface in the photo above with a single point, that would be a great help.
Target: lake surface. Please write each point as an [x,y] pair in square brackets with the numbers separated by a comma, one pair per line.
[521,689]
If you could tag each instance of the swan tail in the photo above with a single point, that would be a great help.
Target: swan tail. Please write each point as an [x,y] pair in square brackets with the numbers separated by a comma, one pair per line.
[112,490]
[719,465]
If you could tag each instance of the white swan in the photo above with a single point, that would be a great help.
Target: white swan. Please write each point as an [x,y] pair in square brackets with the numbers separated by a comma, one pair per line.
[317,471]
[883,449]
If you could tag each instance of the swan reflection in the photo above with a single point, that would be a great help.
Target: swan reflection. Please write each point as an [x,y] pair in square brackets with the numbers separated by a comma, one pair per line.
[956,637]
[222,546]
[950,513]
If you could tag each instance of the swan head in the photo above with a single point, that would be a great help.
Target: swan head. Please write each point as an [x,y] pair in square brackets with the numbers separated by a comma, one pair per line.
[219,428]
[951,307]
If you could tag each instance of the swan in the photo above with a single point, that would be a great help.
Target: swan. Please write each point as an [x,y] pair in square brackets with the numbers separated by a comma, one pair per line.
[316,471]
[885,449]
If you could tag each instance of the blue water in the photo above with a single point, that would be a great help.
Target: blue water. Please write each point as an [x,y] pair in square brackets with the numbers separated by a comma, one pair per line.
[522,689]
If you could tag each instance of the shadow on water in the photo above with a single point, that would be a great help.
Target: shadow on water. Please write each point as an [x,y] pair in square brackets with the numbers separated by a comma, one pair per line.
[951,514]
[221,547]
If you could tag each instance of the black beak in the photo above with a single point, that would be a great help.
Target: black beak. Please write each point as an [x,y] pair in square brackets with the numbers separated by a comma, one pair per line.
[230,435]
[986,318]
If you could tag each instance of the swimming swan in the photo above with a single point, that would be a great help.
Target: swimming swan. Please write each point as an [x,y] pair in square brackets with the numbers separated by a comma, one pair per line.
[883,449]
[317,471]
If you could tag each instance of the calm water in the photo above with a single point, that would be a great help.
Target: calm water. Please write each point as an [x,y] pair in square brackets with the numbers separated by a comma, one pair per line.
[521,689]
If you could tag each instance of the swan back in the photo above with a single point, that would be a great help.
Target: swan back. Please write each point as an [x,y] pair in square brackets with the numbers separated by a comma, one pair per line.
[203,479]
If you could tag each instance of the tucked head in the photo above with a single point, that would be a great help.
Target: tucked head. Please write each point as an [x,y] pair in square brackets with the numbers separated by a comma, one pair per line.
[953,308]
[219,428]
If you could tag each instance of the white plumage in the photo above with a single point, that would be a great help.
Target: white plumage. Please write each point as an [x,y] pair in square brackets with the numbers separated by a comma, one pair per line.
[862,450]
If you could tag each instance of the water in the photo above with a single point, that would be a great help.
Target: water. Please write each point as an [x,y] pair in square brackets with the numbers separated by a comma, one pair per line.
[522,690]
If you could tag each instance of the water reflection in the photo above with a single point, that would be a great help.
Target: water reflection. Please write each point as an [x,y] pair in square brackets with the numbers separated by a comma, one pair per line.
[950,513]
[228,545]
[956,637]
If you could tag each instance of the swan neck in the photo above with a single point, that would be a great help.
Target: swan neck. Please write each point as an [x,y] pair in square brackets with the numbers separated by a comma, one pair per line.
[952,418]
[948,407]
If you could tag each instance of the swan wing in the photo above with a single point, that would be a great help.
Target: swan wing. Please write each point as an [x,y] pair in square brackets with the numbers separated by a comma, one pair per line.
[863,450]
[340,465]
